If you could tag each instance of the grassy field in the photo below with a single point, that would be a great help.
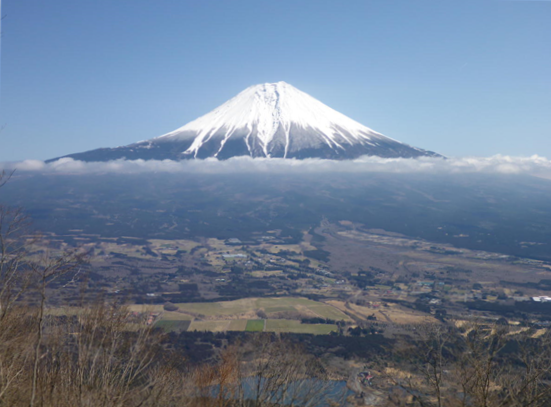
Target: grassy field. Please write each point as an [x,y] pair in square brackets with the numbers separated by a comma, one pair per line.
[213,326]
[217,244]
[63,311]
[241,315]
[237,325]
[295,248]
[178,322]
[172,246]
[391,313]
[146,307]
[172,325]
[126,249]
[287,325]
[255,325]
[251,325]
[262,273]
[246,308]
[175,316]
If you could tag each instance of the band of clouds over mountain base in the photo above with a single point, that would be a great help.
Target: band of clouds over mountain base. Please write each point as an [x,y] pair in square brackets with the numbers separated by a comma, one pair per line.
[534,165]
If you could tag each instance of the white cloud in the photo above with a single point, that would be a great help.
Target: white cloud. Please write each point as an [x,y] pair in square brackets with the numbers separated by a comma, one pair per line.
[29,165]
[534,165]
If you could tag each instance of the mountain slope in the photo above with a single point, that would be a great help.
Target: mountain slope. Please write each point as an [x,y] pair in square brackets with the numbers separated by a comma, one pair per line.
[267,120]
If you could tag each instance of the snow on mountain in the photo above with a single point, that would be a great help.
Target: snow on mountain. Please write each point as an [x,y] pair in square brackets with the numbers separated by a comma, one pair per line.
[267,109]
[267,120]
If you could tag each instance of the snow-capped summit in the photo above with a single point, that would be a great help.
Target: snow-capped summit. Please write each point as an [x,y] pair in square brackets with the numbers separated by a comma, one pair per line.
[273,120]
[267,120]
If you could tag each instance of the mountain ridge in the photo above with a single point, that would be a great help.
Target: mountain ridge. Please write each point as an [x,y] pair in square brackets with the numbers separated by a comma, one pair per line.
[270,120]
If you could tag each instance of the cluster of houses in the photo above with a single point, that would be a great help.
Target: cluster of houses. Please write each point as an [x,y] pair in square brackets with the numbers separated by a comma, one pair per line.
[151,316]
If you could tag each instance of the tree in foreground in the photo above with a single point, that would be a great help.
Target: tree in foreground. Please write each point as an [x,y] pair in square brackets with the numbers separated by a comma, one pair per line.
[477,365]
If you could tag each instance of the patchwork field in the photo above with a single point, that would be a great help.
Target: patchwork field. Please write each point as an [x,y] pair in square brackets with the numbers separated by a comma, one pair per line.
[248,308]
[391,313]
[251,325]
[242,315]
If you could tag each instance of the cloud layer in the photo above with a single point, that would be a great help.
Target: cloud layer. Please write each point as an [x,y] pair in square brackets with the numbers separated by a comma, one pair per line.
[534,165]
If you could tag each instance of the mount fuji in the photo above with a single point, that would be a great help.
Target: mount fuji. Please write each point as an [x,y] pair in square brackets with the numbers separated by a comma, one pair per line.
[271,120]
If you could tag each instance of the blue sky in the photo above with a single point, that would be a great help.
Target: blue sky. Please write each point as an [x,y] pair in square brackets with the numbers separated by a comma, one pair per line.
[457,77]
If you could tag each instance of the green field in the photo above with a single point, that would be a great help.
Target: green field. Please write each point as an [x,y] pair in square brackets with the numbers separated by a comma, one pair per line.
[171,325]
[255,325]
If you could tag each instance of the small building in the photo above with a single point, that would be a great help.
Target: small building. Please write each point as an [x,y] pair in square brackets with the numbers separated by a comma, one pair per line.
[521,299]
[542,298]
[234,256]
[365,378]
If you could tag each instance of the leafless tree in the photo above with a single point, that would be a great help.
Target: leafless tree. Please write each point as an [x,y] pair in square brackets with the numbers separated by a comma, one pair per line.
[267,371]
[102,355]
[471,367]
[423,363]
[527,381]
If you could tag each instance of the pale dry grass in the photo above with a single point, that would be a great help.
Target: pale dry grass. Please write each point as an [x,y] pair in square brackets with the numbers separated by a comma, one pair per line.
[539,333]
[393,313]
[212,326]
